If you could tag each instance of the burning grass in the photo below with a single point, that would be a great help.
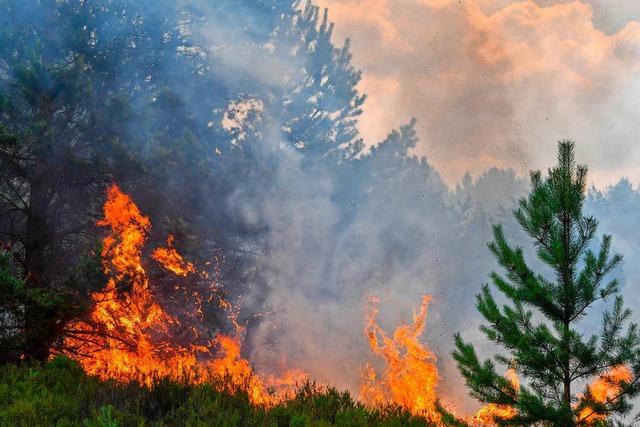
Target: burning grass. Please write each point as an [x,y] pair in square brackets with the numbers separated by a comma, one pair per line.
[131,338]
[61,393]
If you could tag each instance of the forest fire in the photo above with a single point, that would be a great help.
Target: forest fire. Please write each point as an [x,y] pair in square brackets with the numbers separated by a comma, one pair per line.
[271,201]
[131,336]
[129,331]
[411,375]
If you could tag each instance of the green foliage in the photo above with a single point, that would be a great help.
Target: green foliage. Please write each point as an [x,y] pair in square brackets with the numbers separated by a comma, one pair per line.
[133,92]
[548,352]
[21,304]
[104,418]
[60,393]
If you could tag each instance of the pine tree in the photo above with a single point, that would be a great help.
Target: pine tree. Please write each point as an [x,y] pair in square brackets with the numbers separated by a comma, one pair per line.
[538,325]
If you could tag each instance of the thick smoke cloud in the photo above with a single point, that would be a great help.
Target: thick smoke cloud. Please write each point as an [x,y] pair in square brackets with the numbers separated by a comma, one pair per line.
[484,98]
[493,85]
[497,83]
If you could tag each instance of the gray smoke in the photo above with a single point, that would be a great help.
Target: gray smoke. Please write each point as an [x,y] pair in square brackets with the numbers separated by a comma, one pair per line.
[496,83]
[310,228]
[407,233]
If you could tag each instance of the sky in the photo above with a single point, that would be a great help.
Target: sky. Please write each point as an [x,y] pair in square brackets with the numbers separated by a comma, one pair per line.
[499,82]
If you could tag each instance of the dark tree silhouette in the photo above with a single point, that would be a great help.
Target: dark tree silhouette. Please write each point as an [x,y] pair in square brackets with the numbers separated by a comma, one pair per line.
[142,93]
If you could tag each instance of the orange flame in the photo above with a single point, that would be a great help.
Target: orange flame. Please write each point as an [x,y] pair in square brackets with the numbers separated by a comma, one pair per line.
[239,370]
[128,336]
[411,375]
[170,259]
[486,415]
[603,389]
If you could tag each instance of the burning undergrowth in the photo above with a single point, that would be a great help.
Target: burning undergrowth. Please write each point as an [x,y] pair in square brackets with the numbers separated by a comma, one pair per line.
[131,335]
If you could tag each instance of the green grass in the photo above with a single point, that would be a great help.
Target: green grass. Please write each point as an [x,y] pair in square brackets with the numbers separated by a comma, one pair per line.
[59,393]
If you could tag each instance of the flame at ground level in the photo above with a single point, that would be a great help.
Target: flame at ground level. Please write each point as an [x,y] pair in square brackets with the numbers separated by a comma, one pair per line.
[605,388]
[129,336]
[486,415]
[410,376]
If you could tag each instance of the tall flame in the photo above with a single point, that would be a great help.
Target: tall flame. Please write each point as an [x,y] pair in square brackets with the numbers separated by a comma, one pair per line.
[411,376]
[125,315]
[129,336]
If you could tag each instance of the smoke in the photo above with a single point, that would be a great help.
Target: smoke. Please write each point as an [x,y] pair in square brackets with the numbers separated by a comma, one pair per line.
[486,93]
[497,83]
[493,85]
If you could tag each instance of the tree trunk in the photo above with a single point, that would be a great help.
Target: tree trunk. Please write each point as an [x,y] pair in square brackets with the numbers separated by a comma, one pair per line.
[38,323]
[568,306]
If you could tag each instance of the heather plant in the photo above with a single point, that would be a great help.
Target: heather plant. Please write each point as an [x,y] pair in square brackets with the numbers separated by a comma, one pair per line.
[58,392]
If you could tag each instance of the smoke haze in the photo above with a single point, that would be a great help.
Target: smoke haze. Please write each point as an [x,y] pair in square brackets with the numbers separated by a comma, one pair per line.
[495,83]
[490,86]
[312,223]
